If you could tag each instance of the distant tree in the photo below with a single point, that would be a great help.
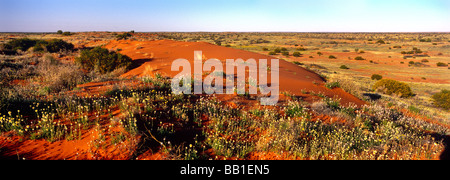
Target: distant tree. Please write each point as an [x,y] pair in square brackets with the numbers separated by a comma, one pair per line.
[332,57]
[319,53]
[59,32]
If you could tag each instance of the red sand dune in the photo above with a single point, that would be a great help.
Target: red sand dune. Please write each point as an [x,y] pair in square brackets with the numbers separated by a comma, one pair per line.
[157,56]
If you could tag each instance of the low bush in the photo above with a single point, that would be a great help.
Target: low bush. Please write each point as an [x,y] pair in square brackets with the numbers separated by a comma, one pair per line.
[332,85]
[124,36]
[344,67]
[359,58]
[53,46]
[441,64]
[442,99]
[425,40]
[332,57]
[381,42]
[23,44]
[296,54]
[389,87]
[376,77]
[277,50]
[101,60]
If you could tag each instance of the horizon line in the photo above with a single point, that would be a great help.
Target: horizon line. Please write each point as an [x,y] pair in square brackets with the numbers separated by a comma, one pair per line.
[374,32]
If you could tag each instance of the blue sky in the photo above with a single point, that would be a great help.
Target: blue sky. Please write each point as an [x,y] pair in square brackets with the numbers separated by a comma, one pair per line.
[226,15]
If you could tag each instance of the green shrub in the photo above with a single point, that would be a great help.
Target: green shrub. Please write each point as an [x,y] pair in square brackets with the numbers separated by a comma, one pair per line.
[22,44]
[39,46]
[381,42]
[296,54]
[332,57]
[272,53]
[425,40]
[359,58]
[277,50]
[442,99]
[67,33]
[376,77]
[389,87]
[53,46]
[59,32]
[101,60]
[344,67]
[285,53]
[441,64]
[332,85]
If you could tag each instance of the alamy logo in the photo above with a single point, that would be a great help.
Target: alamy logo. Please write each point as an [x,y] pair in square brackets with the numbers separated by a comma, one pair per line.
[257,79]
